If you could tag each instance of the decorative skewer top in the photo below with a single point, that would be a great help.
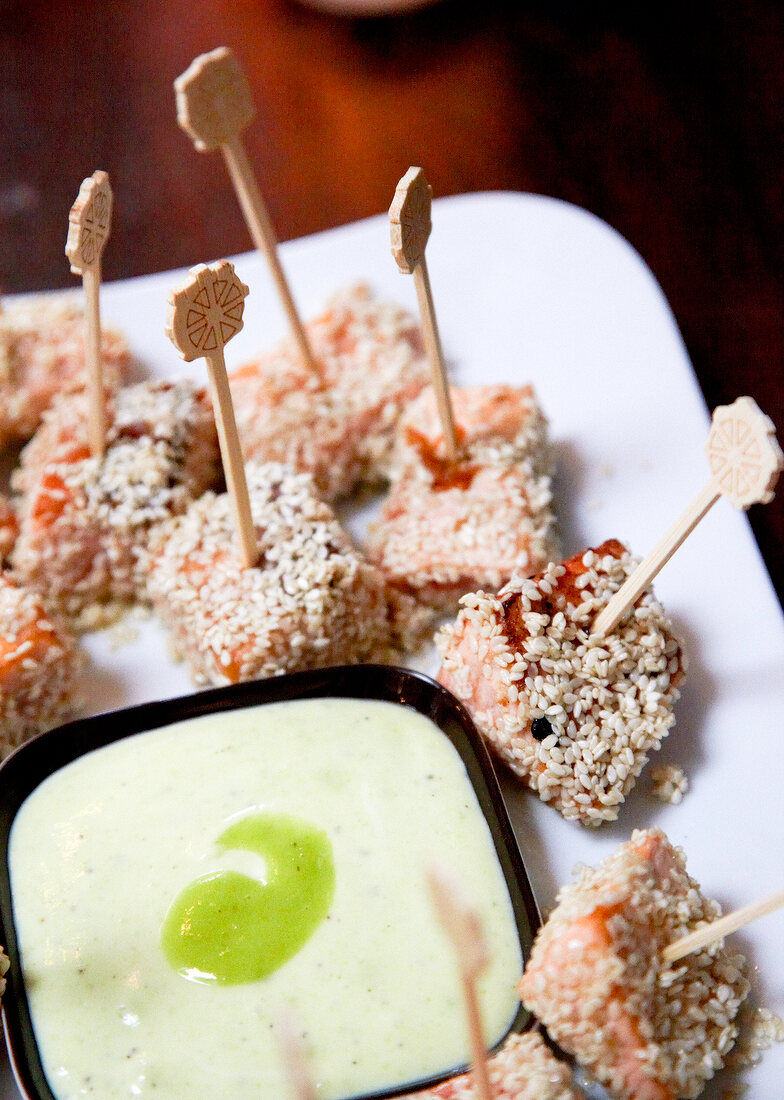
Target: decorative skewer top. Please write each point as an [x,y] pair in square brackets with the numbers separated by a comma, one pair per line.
[409,228]
[89,223]
[214,104]
[206,311]
[745,462]
[214,101]
[409,219]
[744,456]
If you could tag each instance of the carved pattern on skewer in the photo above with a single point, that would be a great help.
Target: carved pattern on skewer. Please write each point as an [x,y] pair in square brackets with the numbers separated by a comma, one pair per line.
[206,311]
[89,223]
[744,457]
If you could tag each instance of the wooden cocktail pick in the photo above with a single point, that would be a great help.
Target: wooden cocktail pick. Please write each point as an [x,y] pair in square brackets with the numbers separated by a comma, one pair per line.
[203,315]
[89,224]
[410,225]
[292,1051]
[214,105]
[717,929]
[462,924]
[745,462]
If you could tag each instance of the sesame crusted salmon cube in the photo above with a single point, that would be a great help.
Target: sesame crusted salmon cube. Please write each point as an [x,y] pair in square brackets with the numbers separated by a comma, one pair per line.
[596,980]
[42,354]
[573,715]
[337,426]
[449,528]
[4,965]
[40,664]
[82,519]
[524,1069]
[311,601]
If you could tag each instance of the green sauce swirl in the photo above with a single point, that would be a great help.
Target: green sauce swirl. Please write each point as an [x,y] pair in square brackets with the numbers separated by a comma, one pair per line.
[228,927]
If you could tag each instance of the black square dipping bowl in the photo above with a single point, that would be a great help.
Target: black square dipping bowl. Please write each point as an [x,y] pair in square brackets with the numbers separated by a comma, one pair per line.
[195,953]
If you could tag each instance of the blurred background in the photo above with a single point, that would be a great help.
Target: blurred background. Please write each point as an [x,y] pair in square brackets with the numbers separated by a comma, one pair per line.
[666,123]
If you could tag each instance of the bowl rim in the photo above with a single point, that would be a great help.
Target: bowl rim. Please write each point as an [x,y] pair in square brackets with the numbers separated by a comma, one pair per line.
[36,759]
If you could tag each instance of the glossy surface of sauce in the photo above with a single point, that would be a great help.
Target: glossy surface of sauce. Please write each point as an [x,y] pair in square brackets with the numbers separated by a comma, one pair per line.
[110,855]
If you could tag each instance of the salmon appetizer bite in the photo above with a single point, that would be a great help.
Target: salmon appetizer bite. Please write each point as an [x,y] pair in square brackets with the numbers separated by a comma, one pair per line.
[310,601]
[42,355]
[449,528]
[524,1069]
[83,520]
[40,665]
[595,977]
[337,426]
[574,715]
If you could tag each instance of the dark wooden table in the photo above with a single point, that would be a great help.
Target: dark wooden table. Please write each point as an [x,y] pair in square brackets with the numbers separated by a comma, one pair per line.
[667,125]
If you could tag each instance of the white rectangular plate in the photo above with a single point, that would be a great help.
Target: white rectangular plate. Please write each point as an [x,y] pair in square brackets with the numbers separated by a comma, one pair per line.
[532,289]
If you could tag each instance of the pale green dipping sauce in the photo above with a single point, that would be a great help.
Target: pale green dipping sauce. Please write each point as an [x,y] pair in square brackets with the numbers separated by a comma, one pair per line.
[110,855]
